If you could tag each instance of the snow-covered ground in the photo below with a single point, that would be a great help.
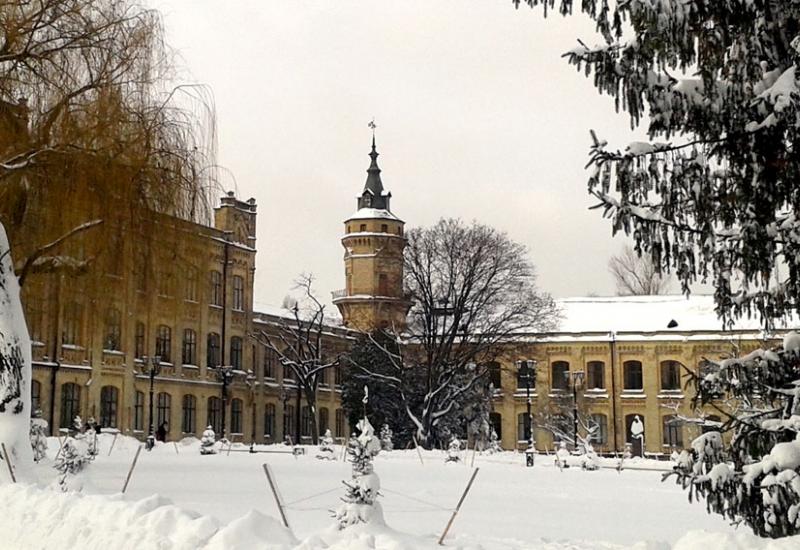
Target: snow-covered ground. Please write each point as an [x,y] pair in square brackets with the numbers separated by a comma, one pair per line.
[223,500]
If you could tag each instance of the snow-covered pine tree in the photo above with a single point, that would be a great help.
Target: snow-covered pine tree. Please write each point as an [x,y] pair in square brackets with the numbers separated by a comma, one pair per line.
[386,438]
[494,443]
[757,479]
[453,451]
[38,435]
[360,504]
[326,450]
[207,442]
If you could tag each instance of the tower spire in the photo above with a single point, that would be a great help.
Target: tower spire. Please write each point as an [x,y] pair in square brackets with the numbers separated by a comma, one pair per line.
[373,196]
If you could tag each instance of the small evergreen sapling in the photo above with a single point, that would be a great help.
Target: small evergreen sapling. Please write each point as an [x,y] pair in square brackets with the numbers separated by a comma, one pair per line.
[79,448]
[386,438]
[326,450]
[38,436]
[360,500]
[454,451]
[207,442]
[494,444]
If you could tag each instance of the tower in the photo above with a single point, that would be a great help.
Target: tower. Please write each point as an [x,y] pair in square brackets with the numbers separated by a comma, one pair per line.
[373,243]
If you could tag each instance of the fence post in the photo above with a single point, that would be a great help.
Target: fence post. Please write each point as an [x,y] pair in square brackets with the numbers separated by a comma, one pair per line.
[419,453]
[458,506]
[275,494]
[8,462]
[130,471]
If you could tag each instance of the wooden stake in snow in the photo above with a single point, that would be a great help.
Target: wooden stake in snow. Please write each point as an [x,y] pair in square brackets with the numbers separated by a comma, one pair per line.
[8,463]
[419,453]
[275,494]
[130,472]
[458,506]
[110,448]
[177,452]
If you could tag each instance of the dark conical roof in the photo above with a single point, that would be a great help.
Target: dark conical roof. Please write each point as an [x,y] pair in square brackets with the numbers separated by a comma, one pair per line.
[373,196]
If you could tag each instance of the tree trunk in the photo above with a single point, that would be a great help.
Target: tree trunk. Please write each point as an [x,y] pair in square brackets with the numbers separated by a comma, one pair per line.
[311,401]
[15,368]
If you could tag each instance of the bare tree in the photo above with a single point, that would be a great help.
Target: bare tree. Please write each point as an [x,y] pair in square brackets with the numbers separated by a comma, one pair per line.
[299,344]
[558,418]
[636,275]
[472,289]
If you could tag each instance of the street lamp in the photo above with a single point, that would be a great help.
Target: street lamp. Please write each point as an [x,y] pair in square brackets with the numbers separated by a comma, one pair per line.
[152,367]
[224,375]
[526,372]
[577,380]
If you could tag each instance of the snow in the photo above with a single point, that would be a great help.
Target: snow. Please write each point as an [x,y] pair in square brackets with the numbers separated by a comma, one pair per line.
[371,214]
[180,499]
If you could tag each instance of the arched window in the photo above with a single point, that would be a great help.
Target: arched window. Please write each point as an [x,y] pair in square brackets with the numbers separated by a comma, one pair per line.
[599,426]
[215,289]
[113,330]
[559,375]
[323,420]
[189,352]
[306,418]
[138,412]
[212,351]
[70,403]
[672,433]
[138,340]
[269,420]
[236,416]
[236,352]
[189,423]
[215,413]
[190,290]
[523,427]
[526,374]
[595,371]
[164,343]
[163,404]
[288,421]
[495,379]
[73,319]
[670,375]
[496,420]
[109,400]
[238,293]
[632,374]
[36,395]
[340,432]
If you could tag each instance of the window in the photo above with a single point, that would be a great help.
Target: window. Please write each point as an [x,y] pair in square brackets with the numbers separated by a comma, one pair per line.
[305,421]
[70,403]
[269,420]
[34,315]
[140,272]
[384,228]
[496,421]
[138,412]
[215,290]
[188,425]
[236,416]
[190,290]
[288,374]
[213,351]
[340,423]
[338,375]
[236,352]
[164,343]
[113,330]
[36,395]
[238,293]
[560,375]
[324,375]
[670,375]
[189,354]
[215,414]
[363,227]
[138,340]
[526,374]
[109,399]
[523,427]
[599,423]
[323,420]
[73,318]
[632,373]
[671,431]
[270,360]
[495,380]
[288,421]
[163,404]
[383,284]
[596,375]
[165,282]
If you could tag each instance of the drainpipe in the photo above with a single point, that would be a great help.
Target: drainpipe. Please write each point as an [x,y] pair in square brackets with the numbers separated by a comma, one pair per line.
[55,355]
[612,344]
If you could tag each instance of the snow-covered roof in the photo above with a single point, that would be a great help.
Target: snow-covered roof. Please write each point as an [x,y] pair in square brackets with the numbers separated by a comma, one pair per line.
[644,314]
[373,213]
[332,317]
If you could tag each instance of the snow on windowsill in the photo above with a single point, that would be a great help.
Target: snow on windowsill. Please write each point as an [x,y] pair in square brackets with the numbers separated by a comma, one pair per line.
[74,347]
[116,352]
[193,367]
[37,344]
[671,395]
[593,394]
[633,394]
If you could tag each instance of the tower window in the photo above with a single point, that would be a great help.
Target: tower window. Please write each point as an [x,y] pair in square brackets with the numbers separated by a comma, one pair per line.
[384,228]
[363,227]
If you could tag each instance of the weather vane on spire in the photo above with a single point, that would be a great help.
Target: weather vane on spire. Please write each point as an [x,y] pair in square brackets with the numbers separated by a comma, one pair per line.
[372,125]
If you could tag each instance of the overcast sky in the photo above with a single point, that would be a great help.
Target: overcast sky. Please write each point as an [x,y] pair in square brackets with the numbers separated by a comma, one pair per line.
[478,117]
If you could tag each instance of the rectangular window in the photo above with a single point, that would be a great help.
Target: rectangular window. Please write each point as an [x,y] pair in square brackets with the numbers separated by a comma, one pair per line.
[164,402]
[236,352]
[238,293]
[596,375]
[138,412]
[215,289]
[212,350]
[188,426]
[632,372]
[73,319]
[164,343]
[189,355]
[190,290]
[138,340]
[236,416]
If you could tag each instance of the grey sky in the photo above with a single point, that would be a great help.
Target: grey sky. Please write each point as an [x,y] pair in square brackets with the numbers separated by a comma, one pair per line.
[478,117]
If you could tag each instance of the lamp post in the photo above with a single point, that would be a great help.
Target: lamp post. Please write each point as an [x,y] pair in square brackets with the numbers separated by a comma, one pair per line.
[577,379]
[224,375]
[152,367]
[526,371]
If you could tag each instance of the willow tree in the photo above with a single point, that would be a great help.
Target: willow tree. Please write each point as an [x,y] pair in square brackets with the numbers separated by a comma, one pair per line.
[713,195]
[92,139]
